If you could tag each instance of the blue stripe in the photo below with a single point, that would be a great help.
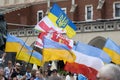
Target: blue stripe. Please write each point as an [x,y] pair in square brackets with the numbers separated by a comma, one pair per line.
[112,46]
[56,10]
[52,44]
[92,51]
[11,38]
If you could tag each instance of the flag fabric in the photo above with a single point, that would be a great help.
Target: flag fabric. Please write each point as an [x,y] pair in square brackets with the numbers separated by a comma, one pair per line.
[81,77]
[81,69]
[48,43]
[58,37]
[56,51]
[89,61]
[113,50]
[84,64]
[92,51]
[55,36]
[45,25]
[50,54]
[39,41]
[15,44]
[61,20]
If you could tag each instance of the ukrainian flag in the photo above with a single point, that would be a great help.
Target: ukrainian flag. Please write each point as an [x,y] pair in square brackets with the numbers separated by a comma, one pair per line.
[113,50]
[60,19]
[15,44]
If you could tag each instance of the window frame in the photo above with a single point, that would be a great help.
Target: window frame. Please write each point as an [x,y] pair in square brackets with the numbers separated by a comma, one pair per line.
[86,12]
[40,11]
[114,16]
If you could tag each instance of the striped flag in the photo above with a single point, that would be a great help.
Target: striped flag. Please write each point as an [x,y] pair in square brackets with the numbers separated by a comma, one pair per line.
[45,25]
[113,50]
[61,20]
[57,37]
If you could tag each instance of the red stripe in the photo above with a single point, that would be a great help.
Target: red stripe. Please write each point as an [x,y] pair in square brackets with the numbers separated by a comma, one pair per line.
[43,25]
[39,44]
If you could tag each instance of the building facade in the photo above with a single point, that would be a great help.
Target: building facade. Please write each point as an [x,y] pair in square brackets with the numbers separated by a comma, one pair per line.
[90,16]
[96,20]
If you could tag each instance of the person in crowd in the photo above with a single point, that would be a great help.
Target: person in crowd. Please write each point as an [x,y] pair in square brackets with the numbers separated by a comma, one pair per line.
[8,69]
[45,74]
[28,72]
[16,71]
[54,75]
[2,77]
[39,75]
[70,76]
[109,72]
[33,74]
[48,69]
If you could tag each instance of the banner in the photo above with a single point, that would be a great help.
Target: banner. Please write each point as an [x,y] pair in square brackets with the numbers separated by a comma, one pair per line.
[61,20]
[15,44]
[113,50]
[57,37]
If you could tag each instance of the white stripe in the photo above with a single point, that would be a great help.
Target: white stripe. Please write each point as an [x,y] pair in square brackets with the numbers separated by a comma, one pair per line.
[89,61]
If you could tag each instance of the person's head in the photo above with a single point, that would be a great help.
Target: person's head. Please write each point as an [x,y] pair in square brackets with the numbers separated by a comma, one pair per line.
[109,72]
[18,66]
[45,72]
[33,72]
[1,71]
[39,74]
[9,63]
[49,66]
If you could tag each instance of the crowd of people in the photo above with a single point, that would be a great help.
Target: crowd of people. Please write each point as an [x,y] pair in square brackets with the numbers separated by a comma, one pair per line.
[14,72]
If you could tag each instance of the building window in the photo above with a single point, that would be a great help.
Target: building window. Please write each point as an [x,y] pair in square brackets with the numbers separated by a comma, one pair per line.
[6,1]
[39,15]
[65,10]
[116,8]
[88,12]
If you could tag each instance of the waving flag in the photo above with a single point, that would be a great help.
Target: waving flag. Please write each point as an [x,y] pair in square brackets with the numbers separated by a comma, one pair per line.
[61,20]
[89,61]
[56,51]
[113,50]
[15,44]
[92,51]
[84,64]
[52,44]
[45,25]
[39,41]
[88,72]
[57,37]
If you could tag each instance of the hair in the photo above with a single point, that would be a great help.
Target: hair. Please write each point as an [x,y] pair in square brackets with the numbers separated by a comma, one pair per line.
[110,71]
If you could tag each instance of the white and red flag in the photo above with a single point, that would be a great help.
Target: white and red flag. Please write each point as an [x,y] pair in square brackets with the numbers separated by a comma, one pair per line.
[58,37]
[45,25]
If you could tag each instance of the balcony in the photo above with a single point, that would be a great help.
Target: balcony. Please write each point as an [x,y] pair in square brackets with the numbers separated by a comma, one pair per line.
[82,27]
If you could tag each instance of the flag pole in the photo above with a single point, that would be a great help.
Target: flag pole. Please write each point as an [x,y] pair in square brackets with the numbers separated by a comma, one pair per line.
[21,48]
[30,57]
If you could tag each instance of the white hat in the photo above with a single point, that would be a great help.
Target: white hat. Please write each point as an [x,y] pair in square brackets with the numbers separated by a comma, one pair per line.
[18,64]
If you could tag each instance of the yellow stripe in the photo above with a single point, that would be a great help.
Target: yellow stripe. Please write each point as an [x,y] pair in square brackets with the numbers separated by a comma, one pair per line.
[114,56]
[25,57]
[13,47]
[53,18]
[69,31]
[58,54]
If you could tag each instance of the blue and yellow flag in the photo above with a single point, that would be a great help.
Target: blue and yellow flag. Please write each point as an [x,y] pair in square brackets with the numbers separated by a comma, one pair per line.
[113,50]
[92,51]
[56,51]
[15,44]
[61,20]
